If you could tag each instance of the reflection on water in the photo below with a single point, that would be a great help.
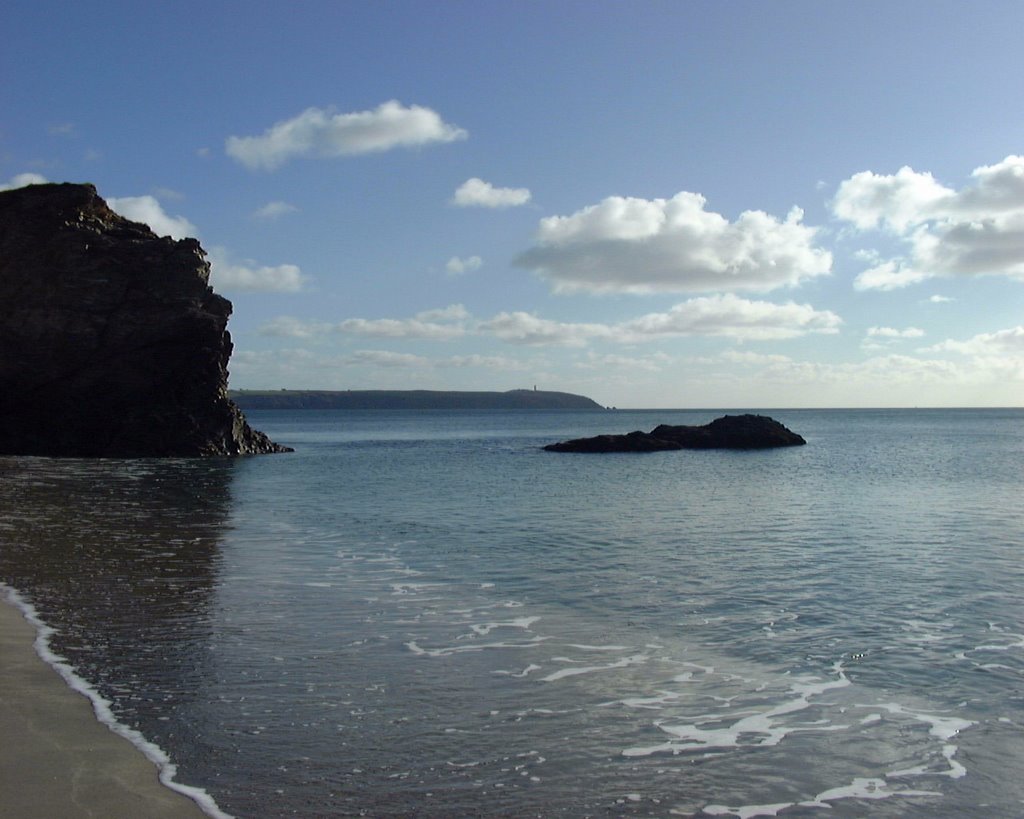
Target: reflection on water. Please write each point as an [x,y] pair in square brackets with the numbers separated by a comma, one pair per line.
[122,555]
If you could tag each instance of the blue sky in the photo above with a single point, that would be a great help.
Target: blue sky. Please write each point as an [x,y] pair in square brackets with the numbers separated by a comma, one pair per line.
[654,204]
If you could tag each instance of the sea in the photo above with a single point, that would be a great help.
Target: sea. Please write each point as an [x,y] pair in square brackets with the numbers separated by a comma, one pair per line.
[424,614]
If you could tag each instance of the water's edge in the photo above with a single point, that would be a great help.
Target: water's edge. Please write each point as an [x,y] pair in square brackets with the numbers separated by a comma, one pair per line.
[166,769]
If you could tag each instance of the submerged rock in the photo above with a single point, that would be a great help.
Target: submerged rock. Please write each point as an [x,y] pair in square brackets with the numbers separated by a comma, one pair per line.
[727,432]
[112,342]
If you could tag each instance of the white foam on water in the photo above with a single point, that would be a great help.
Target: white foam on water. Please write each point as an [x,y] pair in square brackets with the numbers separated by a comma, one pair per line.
[524,673]
[859,788]
[764,725]
[411,588]
[747,811]
[166,769]
[943,729]
[415,648]
[582,647]
[635,659]
[484,629]
[656,703]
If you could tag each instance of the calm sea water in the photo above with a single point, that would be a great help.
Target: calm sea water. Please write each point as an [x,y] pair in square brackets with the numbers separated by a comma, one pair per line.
[423,614]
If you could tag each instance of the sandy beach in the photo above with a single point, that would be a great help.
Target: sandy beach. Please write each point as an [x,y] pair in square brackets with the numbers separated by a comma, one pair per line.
[56,759]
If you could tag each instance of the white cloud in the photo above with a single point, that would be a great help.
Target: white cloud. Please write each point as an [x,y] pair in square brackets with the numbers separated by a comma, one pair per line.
[400,328]
[976,230]
[488,362]
[21,180]
[889,275]
[453,312]
[525,328]
[651,363]
[320,133]
[754,359]
[897,201]
[996,356]
[291,327]
[477,193]
[147,209]
[435,325]
[274,210]
[226,274]
[673,245]
[386,358]
[1002,342]
[726,316]
[712,316]
[456,266]
[937,299]
[892,332]
[732,317]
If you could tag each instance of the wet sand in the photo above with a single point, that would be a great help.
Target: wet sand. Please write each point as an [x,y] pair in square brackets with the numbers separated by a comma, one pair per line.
[56,759]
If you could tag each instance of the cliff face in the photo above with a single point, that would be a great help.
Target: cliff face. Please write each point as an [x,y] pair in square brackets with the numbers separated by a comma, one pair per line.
[112,343]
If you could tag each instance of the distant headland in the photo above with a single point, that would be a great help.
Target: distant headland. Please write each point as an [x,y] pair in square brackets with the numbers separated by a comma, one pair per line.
[410,399]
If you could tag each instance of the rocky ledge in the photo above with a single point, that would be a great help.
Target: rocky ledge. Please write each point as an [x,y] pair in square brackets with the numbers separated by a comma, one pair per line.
[727,432]
[112,342]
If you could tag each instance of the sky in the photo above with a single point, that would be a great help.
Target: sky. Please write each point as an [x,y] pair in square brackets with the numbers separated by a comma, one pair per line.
[654,204]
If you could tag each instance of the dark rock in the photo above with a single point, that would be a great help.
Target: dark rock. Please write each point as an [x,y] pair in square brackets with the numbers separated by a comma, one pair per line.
[727,432]
[112,343]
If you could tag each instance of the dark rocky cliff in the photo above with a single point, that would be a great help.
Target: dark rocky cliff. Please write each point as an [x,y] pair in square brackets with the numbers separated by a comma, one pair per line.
[112,342]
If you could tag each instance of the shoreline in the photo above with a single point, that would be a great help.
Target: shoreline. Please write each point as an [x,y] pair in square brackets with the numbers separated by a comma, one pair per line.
[65,754]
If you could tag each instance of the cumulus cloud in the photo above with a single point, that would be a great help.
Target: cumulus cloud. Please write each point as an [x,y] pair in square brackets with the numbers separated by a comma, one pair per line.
[892,332]
[1003,342]
[937,299]
[147,209]
[321,133]
[976,230]
[673,245]
[247,275]
[477,193]
[274,210]
[733,317]
[21,180]
[456,266]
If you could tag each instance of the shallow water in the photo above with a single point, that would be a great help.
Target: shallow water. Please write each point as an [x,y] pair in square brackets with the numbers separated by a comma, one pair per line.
[422,613]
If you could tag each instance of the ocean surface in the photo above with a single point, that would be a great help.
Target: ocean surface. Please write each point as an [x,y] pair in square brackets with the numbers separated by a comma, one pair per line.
[424,614]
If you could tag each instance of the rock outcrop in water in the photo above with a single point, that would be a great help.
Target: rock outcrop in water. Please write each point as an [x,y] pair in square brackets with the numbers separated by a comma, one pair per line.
[727,432]
[112,342]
